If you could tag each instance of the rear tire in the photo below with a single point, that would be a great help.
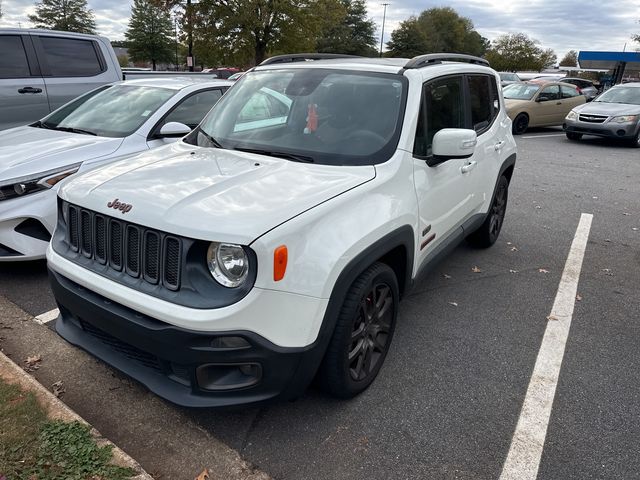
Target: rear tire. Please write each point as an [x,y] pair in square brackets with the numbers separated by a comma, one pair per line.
[487,234]
[635,142]
[520,124]
[574,136]
[362,334]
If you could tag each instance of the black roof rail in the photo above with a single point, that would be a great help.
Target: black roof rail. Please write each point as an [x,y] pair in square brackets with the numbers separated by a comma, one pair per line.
[435,58]
[303,57]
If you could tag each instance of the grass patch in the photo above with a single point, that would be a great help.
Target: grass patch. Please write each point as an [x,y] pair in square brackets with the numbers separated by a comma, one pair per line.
[35,448]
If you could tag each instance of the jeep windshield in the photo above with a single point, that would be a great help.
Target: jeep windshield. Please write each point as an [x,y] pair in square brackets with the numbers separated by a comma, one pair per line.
[337,117]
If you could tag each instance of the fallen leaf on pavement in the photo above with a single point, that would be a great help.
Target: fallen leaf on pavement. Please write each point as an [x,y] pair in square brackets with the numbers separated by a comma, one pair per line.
[626,214]
[513,271]
[58,388]
[453,304]
[538,207]
[204,475]
[607,271]
[578,297]
[514,249]
[552,317]
[33,363]
[542,270]
[476,270]
[608,240]
[446,276]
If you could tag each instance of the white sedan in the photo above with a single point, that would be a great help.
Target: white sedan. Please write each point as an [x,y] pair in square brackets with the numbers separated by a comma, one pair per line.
[104,125]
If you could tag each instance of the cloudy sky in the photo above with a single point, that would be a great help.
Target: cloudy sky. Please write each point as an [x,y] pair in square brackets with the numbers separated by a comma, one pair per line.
[558,24]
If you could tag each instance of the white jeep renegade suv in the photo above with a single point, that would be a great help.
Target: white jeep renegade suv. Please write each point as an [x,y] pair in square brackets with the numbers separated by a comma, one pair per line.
[273,243]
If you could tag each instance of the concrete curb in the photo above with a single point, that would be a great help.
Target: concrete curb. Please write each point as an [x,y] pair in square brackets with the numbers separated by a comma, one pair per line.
[56,409]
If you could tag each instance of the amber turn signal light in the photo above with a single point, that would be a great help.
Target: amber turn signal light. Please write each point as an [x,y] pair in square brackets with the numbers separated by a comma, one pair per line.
[280,256]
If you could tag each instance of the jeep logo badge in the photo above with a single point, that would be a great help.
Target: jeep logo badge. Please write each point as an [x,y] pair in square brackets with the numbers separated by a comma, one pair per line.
[117,205]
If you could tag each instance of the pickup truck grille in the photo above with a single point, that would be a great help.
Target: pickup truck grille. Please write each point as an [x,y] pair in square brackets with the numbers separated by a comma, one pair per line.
[140,252]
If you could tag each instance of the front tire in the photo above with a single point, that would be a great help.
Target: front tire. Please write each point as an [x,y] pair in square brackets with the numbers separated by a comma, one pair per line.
[362,334]
[520,124]
[574,136]
[487,234]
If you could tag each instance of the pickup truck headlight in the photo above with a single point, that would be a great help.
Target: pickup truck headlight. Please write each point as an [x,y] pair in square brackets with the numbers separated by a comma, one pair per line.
[572,115]
[228,264]
[18,187]
[625,118]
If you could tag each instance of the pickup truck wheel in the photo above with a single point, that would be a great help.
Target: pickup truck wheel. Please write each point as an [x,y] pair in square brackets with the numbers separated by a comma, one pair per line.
[574,136]
[520,124]
[488,233]
[362,334]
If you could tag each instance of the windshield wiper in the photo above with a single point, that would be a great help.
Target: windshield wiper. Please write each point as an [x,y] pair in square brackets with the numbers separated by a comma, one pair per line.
[214,142]
[74,130]
[288,156]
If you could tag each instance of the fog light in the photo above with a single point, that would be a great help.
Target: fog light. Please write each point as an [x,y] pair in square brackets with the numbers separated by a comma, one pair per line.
[220,376]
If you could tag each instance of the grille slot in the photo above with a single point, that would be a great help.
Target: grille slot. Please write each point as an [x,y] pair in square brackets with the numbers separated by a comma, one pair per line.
[133,251]
[73,228]
[86,233]
[151,267]
[100,239]
[172,260]
[145,253]
[592,118]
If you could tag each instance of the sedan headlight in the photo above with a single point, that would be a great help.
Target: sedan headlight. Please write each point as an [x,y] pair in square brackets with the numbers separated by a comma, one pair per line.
[18,187]
[228,264]
[625,118]
[572,115]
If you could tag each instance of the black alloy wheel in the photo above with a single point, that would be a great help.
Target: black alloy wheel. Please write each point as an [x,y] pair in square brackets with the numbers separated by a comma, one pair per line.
[520,124]
[574,136]
[487,234]
[362,334]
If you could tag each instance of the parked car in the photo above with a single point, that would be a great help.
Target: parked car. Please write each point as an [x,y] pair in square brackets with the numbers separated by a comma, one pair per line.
[240,262]
[540,103]
[106,124]
[507,78]
[585,87]
[614,114]
[41,70]
[236,76]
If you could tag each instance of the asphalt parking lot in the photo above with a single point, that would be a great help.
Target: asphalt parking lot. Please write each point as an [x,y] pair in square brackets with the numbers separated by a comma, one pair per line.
[449,396]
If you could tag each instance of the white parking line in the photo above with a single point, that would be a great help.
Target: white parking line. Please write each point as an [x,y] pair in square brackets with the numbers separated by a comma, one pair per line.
[527,443]
[47,317]
[546,135]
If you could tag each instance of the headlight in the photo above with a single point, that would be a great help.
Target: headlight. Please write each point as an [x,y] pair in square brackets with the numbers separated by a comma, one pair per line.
[625,118]
[572,115]
[228,264]
[18,187]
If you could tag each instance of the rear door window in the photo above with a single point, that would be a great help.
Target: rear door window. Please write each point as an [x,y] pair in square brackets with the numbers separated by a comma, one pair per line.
[552,92]
[568,92]
[70,57]
[13,58]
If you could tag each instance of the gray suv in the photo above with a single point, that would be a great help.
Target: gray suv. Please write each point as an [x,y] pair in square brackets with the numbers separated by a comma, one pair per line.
[41,70]
[614,114]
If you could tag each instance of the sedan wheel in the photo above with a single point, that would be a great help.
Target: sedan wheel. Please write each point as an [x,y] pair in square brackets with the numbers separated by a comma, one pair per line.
[520,124]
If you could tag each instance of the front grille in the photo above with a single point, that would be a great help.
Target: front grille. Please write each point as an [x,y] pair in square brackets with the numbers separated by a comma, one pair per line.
[593,118]
[140,252]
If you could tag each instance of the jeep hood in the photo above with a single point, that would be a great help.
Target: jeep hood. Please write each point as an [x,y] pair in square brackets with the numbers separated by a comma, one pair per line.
[210,193]
[28,150]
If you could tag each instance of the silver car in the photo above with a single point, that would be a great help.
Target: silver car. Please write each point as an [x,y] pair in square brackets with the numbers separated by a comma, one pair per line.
[614,114]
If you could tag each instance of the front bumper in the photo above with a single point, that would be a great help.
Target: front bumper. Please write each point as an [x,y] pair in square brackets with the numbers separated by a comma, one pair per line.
[166,358]
[26,224]
[624,131]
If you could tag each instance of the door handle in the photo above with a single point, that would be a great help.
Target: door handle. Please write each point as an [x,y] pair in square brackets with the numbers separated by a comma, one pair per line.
[498,146]
[468,167]
[29,90]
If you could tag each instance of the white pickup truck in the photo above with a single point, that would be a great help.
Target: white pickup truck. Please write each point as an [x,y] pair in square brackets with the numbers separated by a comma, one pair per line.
[274,242]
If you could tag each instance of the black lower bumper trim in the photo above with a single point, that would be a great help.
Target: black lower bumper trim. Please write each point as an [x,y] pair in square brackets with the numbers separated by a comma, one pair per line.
[165,358]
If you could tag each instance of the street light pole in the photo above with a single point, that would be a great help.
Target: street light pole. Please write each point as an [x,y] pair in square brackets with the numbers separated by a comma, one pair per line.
[175,22]
[384,16]
[190,35]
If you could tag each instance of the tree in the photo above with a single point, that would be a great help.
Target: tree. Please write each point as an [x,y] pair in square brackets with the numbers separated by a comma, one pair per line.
[636,38]
[570,59]
[150,33]
[517,52]
[67,15]
[436,30]
[353,35]
[246,31]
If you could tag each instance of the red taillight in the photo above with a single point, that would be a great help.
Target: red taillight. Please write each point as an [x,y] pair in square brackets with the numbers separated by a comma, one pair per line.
[578,88]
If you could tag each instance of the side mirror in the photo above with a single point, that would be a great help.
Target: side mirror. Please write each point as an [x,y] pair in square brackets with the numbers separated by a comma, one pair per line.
[174,129]
[450,143]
